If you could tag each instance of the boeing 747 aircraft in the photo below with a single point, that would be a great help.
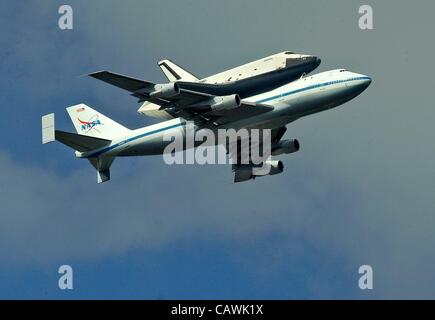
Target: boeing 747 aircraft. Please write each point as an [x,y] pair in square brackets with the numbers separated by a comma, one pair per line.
[100,139]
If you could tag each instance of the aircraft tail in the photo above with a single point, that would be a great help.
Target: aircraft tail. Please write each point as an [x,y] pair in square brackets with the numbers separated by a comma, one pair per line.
[96,132]
[91,123]
[174,72]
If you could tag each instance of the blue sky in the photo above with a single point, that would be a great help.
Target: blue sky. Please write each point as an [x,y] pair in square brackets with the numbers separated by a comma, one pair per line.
[360,191]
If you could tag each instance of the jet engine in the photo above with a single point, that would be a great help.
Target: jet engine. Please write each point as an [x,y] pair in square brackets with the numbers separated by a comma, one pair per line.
[166,90]
[225,102]
[248,172]
[276,167]
[286,146]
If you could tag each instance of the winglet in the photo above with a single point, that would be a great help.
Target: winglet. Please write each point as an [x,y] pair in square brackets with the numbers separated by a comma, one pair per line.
[48,128]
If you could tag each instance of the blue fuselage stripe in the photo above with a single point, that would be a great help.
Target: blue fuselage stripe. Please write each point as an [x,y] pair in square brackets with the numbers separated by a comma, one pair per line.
[285,94]
[98,153]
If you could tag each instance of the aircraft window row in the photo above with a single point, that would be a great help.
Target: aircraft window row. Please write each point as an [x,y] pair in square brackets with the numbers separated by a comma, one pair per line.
[345,80]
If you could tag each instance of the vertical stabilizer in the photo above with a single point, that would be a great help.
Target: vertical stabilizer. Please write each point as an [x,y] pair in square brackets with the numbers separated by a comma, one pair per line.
[174,72]
[102,165]
[90,122]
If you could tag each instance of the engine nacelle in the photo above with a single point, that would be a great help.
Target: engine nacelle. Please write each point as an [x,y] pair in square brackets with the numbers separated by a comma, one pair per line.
[274,166]
[286,146]
[166,90]
[225,102]
[246,173]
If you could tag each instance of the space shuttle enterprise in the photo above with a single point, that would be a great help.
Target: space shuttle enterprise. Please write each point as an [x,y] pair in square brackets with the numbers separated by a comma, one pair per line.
[246,80]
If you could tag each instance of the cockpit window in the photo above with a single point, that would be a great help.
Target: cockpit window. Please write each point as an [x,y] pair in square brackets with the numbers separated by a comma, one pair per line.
[343,70]
[288,52]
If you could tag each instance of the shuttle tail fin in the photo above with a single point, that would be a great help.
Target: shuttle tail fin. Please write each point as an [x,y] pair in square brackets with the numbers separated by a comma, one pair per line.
[174,72]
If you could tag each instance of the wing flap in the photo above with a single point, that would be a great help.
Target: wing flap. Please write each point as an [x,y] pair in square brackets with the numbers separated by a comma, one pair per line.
[188,98]
[246,110]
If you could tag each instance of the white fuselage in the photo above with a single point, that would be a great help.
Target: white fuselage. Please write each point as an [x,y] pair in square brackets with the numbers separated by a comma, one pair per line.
[292,101]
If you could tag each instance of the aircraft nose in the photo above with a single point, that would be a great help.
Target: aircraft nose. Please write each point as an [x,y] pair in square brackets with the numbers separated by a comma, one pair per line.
[366,81]
[362,82]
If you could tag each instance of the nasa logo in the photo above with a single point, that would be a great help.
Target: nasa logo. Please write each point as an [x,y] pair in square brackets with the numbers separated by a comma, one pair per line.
[90,124]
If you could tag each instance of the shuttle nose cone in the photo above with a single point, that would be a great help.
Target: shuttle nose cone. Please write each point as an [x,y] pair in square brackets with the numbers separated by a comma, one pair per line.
[309,61]
[313,60]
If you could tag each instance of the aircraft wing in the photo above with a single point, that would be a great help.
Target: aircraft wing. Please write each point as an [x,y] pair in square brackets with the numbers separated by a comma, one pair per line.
[121,81]
[135,86]
[190,105]
[195,106]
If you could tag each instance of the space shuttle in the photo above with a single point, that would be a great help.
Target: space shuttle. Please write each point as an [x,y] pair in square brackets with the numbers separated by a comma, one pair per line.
[246,80]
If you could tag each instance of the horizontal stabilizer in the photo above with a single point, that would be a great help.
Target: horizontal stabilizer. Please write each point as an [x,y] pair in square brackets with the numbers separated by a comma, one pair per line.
[80,142]
[76,141]
[121,81]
